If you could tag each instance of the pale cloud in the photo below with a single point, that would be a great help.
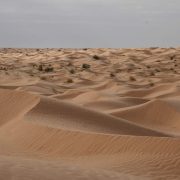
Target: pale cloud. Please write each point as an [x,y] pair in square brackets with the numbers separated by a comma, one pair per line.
[89,23]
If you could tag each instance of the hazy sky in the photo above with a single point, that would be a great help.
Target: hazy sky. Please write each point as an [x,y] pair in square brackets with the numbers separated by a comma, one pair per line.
[89,23]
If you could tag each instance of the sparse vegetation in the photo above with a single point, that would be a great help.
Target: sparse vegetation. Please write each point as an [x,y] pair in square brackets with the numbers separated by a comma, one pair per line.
[3,68]
[172,57]
[131,78]
[157,70]
[86,66]
[152,73]
[118,70]
[151,83]
[72,71]
[49,69]
[129,69]
[69,81]
[43,78]
[34,65]
[40,67]
[44,68]
[96,57]
[112,74]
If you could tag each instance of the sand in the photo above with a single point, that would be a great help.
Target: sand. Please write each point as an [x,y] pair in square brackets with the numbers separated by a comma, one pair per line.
[88,114]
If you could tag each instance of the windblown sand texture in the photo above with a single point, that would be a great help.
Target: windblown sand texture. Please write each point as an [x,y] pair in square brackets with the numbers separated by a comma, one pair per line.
[86,114]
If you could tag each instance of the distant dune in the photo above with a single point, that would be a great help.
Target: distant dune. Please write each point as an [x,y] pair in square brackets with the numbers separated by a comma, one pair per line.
[90,114]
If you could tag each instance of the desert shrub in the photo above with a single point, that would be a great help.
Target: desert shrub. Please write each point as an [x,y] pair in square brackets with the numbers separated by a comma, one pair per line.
[131,78]
[172,69]
[86,66]
[172,57]
[96,57]
[152,73]
[157,70]
[112,74]
[40,67]
[118,70]
[3,68]
[43,78]
[69,81]
[151,84]
[34,65]
[49,69]
[72,71]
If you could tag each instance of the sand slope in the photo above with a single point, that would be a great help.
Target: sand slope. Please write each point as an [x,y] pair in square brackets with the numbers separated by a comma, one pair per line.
[115,119]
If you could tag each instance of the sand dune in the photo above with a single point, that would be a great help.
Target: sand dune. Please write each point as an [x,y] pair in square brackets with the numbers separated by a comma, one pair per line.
[117,117]
[159,114]
[64,115]
[15,104]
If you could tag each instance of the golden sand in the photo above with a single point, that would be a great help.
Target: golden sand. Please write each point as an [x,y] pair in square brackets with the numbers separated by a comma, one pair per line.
[90,114]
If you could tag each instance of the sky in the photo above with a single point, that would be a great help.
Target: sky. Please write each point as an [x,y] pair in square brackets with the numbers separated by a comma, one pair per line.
[89,23]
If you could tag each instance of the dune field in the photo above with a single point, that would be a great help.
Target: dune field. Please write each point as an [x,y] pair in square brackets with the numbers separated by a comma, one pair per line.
[86,114]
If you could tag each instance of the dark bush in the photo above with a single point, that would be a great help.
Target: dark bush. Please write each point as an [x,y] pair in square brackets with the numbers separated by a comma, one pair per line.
[69,81]
[86,66]
[49,69]
[40,67]
[112,74]
[131,78]
[72,71]
[96,57]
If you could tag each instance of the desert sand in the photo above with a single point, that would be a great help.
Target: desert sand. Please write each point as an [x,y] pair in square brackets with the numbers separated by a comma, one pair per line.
[86,114]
